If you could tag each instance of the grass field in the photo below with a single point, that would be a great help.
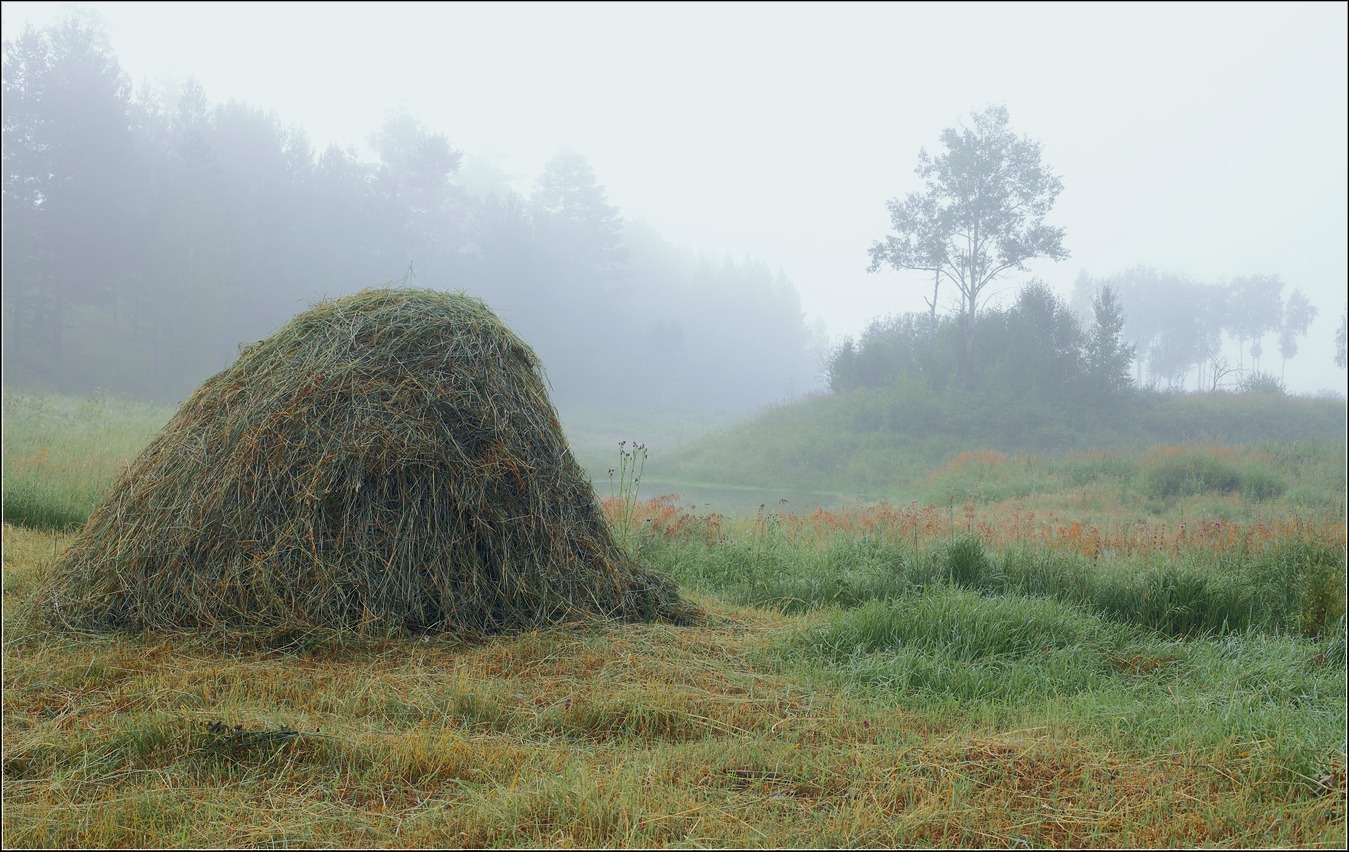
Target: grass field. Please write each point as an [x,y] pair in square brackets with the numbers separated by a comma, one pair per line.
[1133,649]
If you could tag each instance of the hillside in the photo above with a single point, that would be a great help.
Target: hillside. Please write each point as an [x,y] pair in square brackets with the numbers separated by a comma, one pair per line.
[880,443]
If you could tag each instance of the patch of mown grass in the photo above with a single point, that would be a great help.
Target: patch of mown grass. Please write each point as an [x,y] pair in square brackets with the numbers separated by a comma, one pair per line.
[1038,723]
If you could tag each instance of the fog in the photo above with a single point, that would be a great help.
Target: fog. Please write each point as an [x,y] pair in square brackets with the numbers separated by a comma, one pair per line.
[1208,141]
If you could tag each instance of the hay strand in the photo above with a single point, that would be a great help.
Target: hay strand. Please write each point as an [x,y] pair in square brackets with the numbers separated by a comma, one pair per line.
[385,462]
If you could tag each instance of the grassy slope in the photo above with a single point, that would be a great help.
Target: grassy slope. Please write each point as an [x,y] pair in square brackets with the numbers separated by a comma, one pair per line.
[869,443]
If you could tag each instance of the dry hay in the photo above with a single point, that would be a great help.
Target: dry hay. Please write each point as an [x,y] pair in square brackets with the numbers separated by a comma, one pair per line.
[385,462]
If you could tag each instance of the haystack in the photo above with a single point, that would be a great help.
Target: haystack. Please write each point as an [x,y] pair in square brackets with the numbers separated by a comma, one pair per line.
[385,462]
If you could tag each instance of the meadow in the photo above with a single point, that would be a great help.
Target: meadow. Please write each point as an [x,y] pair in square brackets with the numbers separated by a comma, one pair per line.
[1095,648]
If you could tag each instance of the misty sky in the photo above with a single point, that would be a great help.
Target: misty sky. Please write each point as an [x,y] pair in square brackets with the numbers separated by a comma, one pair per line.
[1208,139]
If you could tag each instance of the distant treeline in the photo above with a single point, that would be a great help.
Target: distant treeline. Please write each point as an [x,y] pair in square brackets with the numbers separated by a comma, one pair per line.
[1040,350]
[1177,325]
[1035,353]
[147,237]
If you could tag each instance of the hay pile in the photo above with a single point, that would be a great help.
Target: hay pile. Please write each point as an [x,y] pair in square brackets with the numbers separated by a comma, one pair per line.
[385,462]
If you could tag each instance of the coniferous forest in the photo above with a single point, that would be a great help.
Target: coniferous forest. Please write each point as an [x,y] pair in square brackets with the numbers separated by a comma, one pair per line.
[148,234]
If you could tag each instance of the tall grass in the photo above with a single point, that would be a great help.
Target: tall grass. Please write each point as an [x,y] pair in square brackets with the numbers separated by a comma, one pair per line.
[1270,576]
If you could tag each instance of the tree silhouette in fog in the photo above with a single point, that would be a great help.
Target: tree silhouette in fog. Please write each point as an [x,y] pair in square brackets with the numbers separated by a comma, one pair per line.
[981,214]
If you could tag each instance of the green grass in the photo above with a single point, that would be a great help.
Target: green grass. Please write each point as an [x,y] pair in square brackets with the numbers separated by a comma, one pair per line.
[1069,661]
[1282,585]
[941,717]
[1008,657]
[885,442]
[62,453]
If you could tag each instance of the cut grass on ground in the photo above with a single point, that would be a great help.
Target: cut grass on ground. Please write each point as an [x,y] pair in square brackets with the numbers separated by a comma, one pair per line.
[756,729]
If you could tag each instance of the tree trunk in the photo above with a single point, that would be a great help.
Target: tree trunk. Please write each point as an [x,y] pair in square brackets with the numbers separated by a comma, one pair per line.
[932,305]
[967,351]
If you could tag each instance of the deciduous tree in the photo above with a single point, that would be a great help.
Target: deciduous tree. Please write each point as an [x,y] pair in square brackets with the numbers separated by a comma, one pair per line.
[980,215]
[1340,336]
[1298,313]
[574,212]
[1253,305]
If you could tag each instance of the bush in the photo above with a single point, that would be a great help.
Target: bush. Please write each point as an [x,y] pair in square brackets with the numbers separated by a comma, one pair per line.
[1188,472]
[1263,383]
[1258,484]
[966,563]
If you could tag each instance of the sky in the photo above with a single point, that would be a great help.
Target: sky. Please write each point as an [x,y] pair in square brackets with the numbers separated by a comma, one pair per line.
[1207,139]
